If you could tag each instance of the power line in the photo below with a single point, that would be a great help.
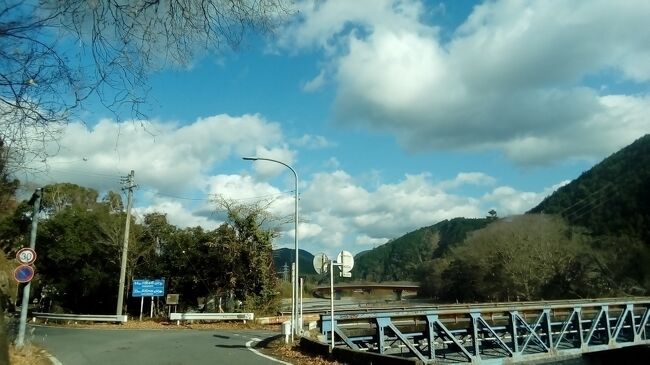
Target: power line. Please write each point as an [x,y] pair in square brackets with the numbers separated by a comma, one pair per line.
[584,199]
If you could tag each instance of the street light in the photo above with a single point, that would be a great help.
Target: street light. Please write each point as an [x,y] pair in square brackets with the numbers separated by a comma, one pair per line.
[295,288]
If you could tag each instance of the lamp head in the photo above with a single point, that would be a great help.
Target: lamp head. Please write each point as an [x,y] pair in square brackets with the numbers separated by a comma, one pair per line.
[250,158]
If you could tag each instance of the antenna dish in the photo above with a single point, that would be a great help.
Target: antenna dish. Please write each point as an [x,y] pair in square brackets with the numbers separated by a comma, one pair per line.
[346,260]
[321,262]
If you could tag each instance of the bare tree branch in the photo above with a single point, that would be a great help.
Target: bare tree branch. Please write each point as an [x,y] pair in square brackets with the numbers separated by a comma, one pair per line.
[57,55]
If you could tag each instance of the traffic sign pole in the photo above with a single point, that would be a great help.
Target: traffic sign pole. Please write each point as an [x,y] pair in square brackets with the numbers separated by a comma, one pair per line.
[20,339]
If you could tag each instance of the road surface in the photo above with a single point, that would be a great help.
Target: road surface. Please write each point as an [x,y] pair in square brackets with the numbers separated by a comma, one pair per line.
[80,346]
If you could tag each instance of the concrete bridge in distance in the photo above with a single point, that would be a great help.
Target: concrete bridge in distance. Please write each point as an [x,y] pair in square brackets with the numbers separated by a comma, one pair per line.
[398,289]
[495,333]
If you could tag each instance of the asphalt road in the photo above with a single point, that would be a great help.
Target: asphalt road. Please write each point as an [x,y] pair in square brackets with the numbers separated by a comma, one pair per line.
[77,346]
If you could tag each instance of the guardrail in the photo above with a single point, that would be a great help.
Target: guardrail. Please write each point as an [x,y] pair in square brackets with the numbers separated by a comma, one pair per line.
[494,333]
[81,317]
[178,317]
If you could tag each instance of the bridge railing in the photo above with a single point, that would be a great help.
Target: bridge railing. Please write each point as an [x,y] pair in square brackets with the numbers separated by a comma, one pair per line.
[496,333]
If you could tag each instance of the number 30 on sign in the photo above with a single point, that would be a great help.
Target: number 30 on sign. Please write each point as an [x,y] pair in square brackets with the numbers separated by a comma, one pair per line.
[26,256]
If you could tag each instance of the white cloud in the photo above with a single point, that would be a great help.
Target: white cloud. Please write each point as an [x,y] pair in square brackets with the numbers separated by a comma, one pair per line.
[332,163]
[468,178]
[247,190]
[509,201]
[315,83]
[165,156]
[369,241]
[270,168]
[511,77]
[339,204]
[319,22]
[177,214]
[312,142]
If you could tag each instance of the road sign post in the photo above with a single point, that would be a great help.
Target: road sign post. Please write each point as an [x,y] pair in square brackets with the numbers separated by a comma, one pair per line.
[345,261]
[148,288]
[29,255]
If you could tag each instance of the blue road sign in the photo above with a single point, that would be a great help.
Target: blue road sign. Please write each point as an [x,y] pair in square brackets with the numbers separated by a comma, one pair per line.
[24,273]
[148,288]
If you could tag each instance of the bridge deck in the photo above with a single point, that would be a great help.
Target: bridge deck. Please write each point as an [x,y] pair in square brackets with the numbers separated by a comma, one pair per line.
[496,333]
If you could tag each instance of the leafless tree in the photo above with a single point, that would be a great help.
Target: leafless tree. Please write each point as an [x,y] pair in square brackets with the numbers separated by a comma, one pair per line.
[58,55]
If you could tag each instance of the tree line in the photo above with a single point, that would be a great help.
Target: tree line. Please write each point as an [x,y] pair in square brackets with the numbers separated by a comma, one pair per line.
[79,244]
[527,257]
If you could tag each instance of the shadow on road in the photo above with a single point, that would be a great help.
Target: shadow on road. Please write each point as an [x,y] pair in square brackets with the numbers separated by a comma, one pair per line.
[231,346]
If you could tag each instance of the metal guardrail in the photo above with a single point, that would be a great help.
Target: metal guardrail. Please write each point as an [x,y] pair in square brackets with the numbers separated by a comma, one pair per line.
[81,317]
[211,317]
[493,333]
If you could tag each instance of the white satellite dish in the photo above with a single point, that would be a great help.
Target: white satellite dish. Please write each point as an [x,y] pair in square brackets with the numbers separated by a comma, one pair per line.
[346,260]
[321,263]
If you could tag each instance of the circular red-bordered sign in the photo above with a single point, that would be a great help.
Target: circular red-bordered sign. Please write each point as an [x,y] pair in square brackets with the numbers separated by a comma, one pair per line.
[26,256]
[24,273]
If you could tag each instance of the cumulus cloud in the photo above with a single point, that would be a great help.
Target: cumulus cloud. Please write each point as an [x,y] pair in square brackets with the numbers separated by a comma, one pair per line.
[312,142]
[177,214]
[511,78]
[171,161]
[388,211]
[509,201]
[468,178]
[315,83]
[347,215]
[248,190]
[166,156]
[270,168]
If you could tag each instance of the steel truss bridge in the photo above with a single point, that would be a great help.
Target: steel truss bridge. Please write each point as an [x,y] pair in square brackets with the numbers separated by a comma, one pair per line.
[495,333]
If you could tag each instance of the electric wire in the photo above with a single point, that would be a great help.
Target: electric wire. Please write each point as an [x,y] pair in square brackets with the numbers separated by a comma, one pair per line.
[591,204]
[584,199]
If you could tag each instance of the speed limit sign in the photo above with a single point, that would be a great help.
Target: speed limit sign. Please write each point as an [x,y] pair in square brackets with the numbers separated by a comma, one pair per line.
[26,256]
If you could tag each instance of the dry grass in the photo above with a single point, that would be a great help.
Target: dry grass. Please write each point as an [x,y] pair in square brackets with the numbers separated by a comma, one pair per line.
[167,325]
[292,353]
[28,355]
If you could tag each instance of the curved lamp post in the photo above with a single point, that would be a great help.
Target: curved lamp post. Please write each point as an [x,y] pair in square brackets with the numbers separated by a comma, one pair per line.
[295,323]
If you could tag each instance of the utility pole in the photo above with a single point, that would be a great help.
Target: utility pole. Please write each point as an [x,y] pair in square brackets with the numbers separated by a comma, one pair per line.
[129,185]
[36,202]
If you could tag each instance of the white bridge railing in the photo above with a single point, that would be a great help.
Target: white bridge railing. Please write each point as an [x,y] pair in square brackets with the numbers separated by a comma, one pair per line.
[211,317]
[80,317]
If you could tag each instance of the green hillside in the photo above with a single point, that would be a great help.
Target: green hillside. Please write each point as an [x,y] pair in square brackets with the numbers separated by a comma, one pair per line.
[401,258]
[611,198]
[588,239]
[286,255]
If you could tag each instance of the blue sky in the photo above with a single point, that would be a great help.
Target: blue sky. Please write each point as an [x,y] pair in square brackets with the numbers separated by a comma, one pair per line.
[395,113]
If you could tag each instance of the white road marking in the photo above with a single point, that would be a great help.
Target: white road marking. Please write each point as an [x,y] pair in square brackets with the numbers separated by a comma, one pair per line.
[54,360]
[249,344]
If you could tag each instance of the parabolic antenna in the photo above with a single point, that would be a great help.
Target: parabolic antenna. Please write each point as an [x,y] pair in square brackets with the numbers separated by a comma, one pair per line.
[321,262]
[346,260]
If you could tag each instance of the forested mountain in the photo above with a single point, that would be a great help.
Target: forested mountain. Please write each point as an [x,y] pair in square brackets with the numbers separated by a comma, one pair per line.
[401,258]
[284,256]
[612,198]
[589,239]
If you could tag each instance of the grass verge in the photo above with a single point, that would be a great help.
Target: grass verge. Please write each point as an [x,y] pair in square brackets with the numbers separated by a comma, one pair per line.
[28,355]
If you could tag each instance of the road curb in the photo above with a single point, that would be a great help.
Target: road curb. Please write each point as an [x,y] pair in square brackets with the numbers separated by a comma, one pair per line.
[53,359]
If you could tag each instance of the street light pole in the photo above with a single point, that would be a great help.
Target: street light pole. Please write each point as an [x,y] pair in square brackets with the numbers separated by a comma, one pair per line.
[295,322]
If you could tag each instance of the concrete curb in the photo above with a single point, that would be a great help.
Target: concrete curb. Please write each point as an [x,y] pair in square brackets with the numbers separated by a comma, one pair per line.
[53,360]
